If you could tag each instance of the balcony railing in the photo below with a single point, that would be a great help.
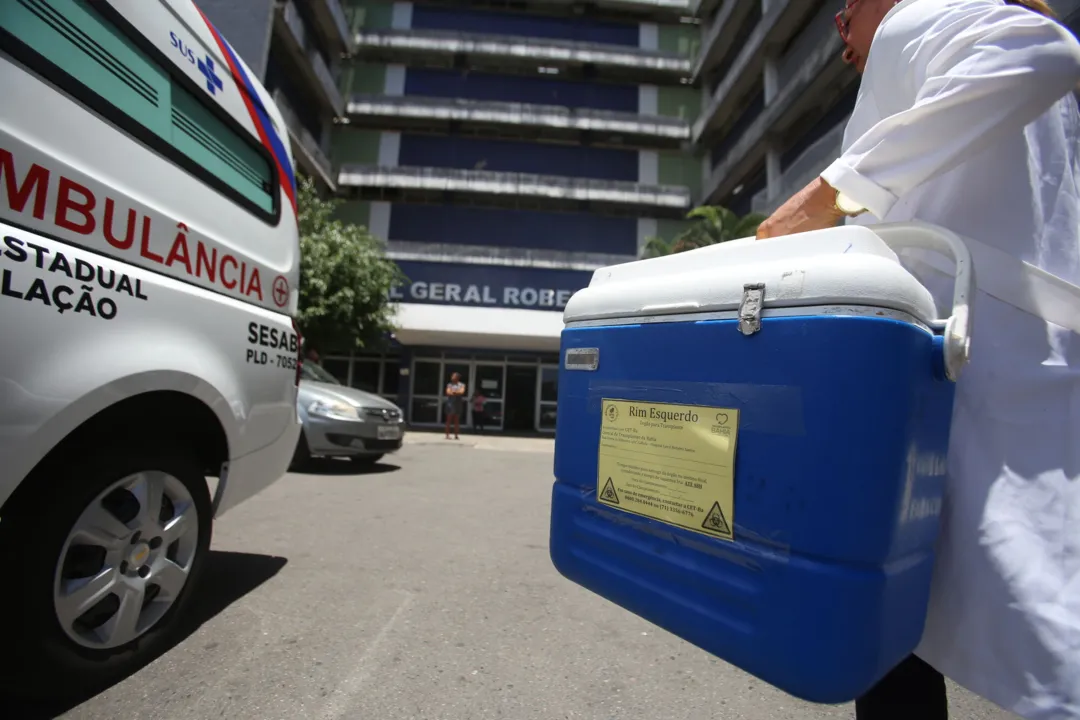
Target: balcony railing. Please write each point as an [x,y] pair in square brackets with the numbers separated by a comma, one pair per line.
[326,79]
[720,33]
[702,8]
[683,7]
[310,60]
[306,148]
[509,256]
[507,53]
[518,120]
[812,36]
[819,75]
[421,184]
[332,17]
[292,18]
[784,20]
[640,10]
[802,170]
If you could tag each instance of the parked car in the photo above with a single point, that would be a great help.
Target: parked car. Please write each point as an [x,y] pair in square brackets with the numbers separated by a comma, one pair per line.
[344,422]
[149,259]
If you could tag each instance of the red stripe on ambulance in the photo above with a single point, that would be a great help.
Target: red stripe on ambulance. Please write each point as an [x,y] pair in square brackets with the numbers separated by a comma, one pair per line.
[78,211]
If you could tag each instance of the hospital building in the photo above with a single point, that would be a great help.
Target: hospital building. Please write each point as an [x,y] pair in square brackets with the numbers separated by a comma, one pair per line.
[504,149]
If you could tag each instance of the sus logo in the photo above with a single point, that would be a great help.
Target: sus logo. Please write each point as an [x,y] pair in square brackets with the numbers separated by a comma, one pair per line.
[213,82]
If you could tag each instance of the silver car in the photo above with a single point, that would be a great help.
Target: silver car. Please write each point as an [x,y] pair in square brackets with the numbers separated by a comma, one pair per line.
[344,422]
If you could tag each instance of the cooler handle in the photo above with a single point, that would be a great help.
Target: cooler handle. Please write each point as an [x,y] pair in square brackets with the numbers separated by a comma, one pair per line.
[921,235]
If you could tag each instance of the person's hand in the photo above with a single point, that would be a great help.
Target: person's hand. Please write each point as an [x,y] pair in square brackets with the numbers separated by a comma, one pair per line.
[812,208]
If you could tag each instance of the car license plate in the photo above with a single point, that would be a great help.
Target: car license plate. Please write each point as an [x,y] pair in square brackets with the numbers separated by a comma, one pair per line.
[389,432]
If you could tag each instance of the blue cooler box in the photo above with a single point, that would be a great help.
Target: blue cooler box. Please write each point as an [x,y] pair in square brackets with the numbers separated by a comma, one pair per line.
[751,448]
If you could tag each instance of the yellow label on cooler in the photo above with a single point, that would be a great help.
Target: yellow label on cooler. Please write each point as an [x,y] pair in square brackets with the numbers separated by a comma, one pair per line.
[672,463]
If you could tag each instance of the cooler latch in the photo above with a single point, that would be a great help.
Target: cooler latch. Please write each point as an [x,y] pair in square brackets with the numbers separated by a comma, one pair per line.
[753,296]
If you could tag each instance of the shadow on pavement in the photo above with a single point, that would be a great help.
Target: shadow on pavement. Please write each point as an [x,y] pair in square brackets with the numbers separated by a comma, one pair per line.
[472,433]
[332,466]
[228,576]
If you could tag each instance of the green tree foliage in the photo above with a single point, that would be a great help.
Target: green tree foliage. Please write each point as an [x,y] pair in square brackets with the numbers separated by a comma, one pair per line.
[345,278]
[710,224]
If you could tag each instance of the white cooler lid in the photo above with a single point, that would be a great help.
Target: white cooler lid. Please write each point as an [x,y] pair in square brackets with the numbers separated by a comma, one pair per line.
[846,265]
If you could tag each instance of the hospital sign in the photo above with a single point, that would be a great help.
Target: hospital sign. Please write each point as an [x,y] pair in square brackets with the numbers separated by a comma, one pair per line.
[438,283]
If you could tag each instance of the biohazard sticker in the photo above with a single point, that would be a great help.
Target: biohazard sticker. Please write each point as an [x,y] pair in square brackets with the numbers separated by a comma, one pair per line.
[715,521]
[672,463]
[608,494]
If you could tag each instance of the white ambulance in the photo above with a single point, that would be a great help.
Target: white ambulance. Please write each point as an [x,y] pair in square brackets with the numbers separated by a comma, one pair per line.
[149,260]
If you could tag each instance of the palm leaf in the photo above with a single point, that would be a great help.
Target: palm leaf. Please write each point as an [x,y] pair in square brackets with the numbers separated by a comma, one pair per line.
[747,226]
[655,247]
[710,224]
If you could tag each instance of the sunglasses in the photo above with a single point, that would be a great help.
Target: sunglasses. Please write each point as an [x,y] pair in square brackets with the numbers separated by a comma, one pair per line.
[842,22]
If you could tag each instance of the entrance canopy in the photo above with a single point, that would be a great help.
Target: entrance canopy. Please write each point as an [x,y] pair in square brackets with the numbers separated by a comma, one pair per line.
[478,327]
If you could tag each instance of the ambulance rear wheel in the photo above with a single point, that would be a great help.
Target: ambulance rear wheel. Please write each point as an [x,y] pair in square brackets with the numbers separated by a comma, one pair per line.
[102,556]
[302,454]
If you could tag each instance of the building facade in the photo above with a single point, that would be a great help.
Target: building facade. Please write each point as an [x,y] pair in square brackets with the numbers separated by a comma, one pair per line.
[505,149]
[777,96]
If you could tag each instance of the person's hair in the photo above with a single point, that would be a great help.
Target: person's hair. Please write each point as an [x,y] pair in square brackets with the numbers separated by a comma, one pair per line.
[1039,6]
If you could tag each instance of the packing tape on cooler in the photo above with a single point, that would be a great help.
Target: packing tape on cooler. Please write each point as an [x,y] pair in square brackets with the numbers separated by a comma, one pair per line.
[770,409]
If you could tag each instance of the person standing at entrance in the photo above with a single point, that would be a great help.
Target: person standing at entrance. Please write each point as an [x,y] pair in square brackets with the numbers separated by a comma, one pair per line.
[479,419]
[965,119]
[455,403]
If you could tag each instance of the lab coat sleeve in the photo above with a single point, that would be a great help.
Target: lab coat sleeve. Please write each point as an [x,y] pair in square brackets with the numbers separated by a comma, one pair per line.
[976,71]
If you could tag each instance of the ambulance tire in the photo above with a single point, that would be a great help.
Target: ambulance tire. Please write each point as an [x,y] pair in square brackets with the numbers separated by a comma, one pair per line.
[301,456]
[39,659]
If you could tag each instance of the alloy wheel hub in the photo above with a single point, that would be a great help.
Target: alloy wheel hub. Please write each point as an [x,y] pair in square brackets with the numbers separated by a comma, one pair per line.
[139,555]
[126,560]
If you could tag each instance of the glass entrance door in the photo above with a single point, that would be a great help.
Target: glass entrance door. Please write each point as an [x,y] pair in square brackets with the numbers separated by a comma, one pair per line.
[520,408]
[548,392]
[519,395]
[427,392]
[489,380]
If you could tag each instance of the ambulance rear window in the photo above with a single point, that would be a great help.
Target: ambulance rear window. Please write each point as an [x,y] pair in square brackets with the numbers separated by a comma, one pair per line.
[93,60]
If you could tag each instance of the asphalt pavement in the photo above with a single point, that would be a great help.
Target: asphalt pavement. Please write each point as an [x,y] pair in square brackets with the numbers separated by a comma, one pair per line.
[423,589]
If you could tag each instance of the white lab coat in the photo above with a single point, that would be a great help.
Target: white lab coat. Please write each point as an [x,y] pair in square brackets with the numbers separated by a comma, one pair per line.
[965,119]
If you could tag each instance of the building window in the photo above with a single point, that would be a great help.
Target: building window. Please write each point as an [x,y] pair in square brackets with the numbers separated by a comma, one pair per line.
[837,114]
[72,44]
[741,203]
[750,23]
[549,397]
[338,367]
[426,404]
[746,118]
[375,374]
[304,111]
[365,374]
[391,381]
[489,379]
[425,411]
[430,375]
[427,377]
[532,401]
[548,416]
[521,391]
